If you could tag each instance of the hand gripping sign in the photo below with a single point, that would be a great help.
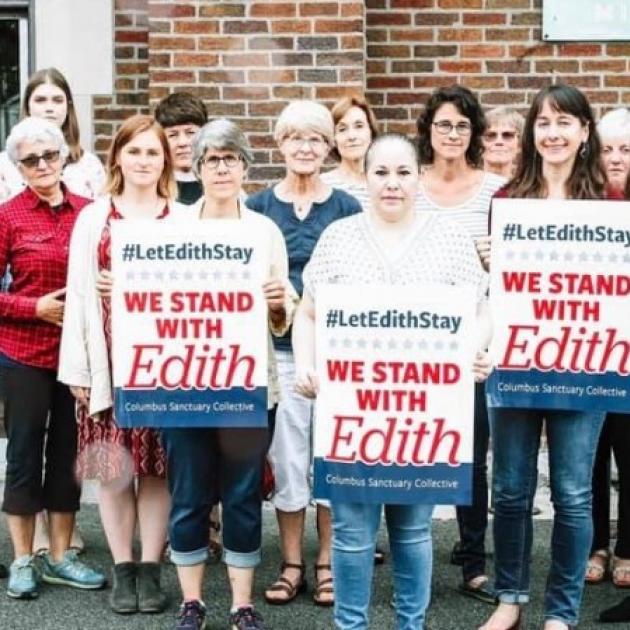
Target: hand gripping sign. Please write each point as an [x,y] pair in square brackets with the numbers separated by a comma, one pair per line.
[189,324]
[394,414]
[560,303]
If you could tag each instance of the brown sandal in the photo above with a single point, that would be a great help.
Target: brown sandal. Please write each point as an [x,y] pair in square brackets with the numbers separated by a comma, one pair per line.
[322,587]
[285,585]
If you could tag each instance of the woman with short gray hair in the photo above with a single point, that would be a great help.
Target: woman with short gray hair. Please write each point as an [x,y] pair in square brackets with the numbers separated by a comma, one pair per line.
[302,206]
[226,461]
[35,228]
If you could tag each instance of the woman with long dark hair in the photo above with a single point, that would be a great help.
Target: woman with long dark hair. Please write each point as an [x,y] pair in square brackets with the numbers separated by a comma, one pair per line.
[560,160]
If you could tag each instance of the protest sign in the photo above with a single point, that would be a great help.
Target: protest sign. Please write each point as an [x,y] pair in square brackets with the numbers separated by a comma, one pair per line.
[559,297]
[189,324]
[394,414]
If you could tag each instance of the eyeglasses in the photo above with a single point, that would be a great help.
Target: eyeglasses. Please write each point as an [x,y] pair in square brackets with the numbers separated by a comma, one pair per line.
[445,127]
[492,136]
[315,142]
[31,161]
[229,161]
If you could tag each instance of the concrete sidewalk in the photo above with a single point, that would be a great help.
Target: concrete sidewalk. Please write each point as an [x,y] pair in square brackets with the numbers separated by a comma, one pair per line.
[61,608]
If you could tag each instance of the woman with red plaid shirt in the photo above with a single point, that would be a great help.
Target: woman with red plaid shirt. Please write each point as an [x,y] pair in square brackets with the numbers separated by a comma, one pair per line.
[35,229]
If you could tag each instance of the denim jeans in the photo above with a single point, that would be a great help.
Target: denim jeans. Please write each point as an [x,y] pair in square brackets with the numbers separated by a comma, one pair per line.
[355,526]
[199,462]
[473,519]
[572,440]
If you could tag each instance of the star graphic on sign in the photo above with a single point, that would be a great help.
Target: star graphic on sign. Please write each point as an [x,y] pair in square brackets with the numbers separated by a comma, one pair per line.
[231,274]
[246,275]
[392,344]
[613,258]
[347,343]
[583,257]
[438,345]
[597,257]
[568,256]
[539,255]
[524,255]
[217,275]
[423,345]
[361,343]
[408,344]
[203,275]
[131,275]
[454,345]
[553,256]
[173,275]
[188,275]
[509,254]
[626,258]
[376,344]
[332,342]
[145,275]
[158,275]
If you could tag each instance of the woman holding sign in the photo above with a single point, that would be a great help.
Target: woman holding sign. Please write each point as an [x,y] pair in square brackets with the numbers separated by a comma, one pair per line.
[230,458]
[560,160]
[389,243]
[129,463]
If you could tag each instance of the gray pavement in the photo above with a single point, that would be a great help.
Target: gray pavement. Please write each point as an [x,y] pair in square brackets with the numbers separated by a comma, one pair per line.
[61,608]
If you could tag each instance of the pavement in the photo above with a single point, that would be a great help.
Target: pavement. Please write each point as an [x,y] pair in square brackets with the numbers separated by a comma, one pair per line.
[62,608]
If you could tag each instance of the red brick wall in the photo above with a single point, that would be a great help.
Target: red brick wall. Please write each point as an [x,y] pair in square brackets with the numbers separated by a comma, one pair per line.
[131,73]
[492,46]
[247,59]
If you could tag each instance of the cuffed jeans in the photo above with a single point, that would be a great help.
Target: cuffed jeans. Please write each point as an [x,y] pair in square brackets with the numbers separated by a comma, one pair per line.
[355,526]
[572,440]
[201,460]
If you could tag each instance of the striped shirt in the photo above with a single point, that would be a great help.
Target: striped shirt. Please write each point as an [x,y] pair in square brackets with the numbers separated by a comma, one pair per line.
[358,191]
[472,214]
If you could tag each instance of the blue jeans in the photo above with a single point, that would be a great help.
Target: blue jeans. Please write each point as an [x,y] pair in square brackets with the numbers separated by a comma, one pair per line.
[355,526]
[572,440]
[202,461]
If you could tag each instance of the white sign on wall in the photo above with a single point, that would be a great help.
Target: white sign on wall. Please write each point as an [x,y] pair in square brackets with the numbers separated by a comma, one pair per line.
[586,20]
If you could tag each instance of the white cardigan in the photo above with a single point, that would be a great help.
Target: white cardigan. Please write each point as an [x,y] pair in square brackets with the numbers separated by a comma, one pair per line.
[83,356]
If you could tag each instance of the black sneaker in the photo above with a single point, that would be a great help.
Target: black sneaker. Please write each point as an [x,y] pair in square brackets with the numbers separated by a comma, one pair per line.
[246,618]
[191,616]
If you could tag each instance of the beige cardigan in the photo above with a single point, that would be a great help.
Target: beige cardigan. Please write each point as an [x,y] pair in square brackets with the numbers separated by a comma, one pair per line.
[83,357]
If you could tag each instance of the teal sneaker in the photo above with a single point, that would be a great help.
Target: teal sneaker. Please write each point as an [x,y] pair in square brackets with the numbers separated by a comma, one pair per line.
[71,572]
[22,579]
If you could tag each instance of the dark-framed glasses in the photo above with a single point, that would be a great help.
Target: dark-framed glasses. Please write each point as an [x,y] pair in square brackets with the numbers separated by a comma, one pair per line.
[229,161]
[493,136]
[31,161]
[444,127]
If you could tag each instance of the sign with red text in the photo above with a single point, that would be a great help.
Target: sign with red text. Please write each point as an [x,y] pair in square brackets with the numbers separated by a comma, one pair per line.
[189,324]
[560,301]
[394,414]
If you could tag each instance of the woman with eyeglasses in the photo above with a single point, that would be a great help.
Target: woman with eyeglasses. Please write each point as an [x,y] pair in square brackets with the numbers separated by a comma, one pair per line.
[48,95]
[454,184]
[302,206]
[502,140]
[230,459]
[35,228]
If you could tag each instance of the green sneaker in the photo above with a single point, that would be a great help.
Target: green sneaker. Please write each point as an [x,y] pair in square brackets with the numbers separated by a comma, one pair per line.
[71,572]
[22,578]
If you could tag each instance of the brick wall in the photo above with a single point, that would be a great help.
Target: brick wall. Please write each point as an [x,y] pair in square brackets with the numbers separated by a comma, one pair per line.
[131,73]
[247,59]
[492,46]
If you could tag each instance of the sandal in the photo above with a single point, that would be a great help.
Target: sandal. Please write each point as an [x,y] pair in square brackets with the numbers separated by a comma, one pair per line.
[379,555]
[323,586]
[621,572]
[597,567]
[284,585]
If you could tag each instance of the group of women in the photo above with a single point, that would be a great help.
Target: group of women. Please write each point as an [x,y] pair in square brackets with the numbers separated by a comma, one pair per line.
[393,210]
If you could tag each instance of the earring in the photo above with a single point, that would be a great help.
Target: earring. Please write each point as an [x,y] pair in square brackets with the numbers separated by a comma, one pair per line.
[583,150]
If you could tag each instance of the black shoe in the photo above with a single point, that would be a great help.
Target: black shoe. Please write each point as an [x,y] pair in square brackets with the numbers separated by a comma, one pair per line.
[483,593]
[618,613]
[124,598]
[191,616]
[379,555]
[151,598]
[246,618]
[3,571]
[456,554]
